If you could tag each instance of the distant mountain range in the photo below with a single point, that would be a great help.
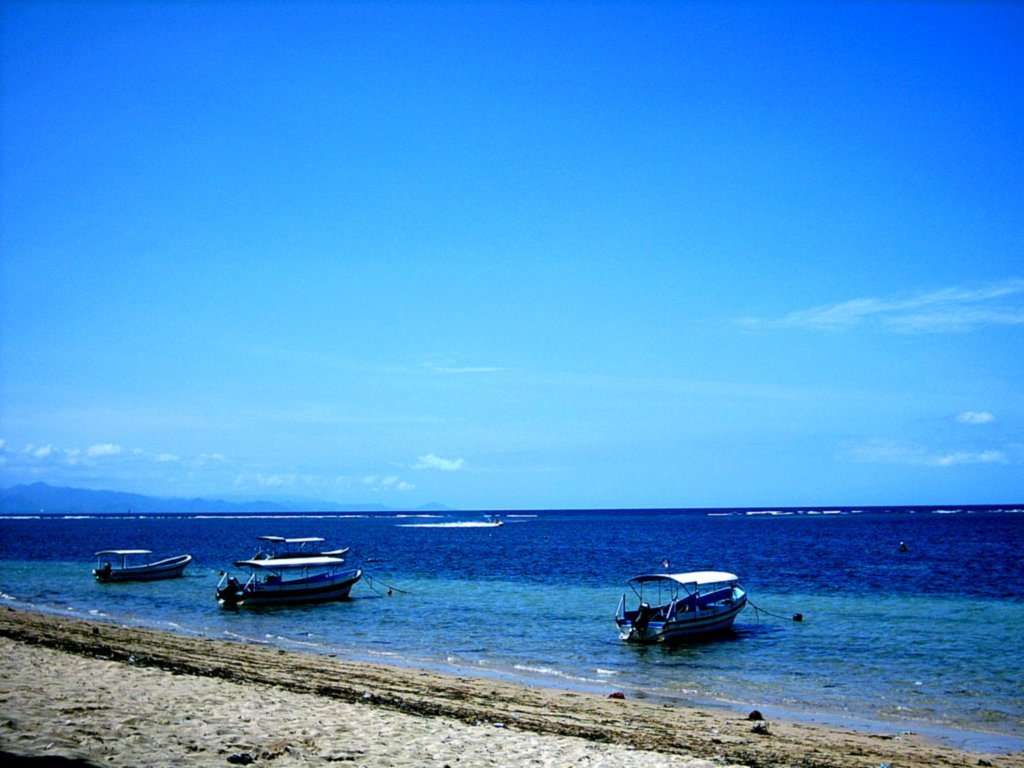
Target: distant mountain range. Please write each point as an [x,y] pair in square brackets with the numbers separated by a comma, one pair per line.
[40,498]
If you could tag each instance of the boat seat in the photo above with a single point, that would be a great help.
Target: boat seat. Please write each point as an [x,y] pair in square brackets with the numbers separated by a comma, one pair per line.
[714,597]
[686,604]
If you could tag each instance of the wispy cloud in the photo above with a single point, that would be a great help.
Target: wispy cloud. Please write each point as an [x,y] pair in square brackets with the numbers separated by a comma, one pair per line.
[130,468]
[975,417]
[462,369]
[43,460]
[888,452]
[103,449]
[948,310]
[271,481]
[430,461]
[210,458]
[386,483]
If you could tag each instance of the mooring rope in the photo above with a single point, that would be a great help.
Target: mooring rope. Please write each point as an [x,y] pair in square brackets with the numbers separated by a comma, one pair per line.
[795,617]
[372,586]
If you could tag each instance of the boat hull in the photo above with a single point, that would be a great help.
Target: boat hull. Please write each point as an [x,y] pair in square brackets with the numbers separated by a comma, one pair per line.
[171,568]
[690,626]
[317,589]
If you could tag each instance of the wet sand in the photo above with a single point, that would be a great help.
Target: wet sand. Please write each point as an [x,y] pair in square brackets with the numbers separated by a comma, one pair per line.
[97,693]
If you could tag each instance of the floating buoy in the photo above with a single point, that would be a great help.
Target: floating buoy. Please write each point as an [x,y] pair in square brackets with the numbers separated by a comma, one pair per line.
[798,617]
[617,695]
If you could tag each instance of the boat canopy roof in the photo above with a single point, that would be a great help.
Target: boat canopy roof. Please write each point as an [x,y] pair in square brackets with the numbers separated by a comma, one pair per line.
[694,578]
[123,552]
[276,563]
[283,540]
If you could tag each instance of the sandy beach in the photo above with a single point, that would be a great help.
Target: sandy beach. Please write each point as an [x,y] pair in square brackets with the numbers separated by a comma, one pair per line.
[97,693]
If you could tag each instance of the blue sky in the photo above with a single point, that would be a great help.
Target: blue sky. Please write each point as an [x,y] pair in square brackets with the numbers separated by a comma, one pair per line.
[515,255]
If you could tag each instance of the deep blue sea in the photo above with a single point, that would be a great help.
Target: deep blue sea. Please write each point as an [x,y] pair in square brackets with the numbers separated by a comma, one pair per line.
[931,640]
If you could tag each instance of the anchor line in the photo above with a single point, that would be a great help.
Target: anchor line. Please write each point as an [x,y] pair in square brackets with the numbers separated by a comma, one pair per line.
[758,611]
[371,584]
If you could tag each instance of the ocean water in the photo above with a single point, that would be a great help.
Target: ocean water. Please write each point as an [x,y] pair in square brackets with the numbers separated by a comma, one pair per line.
[930,640]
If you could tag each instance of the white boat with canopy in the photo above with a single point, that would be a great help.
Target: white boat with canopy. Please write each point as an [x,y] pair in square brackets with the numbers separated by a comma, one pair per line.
[121,565]
[288,580]
[283,547]
[677,606]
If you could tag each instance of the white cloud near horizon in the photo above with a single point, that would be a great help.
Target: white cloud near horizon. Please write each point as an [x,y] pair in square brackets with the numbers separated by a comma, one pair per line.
[41,456]
[129,468]
[975,417]
[430,461]
[947,310]
[386,482]
[266,481]
[888,452]
[205,458]
[103,449]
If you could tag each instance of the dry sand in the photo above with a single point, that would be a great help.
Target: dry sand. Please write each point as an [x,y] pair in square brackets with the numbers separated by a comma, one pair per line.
[101,694]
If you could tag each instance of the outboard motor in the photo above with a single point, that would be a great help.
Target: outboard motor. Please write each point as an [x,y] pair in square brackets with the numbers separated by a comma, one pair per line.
[230,593]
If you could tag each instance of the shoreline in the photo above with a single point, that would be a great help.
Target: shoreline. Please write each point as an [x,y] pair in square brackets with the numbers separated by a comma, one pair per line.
[442,711]
[954,736]
[958,736]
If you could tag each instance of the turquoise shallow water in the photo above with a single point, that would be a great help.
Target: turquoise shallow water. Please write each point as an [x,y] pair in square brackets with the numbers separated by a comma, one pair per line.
[929,640]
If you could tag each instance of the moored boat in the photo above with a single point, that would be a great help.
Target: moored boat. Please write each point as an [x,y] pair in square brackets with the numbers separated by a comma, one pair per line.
[117,565]
[677,606]
[288,580]
[281,547]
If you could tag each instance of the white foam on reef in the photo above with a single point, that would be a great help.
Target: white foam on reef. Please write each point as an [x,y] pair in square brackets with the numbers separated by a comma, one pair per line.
[262,516]
[448,525]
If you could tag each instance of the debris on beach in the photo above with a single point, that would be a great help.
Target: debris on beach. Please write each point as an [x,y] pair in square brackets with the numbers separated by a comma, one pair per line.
[760,724]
